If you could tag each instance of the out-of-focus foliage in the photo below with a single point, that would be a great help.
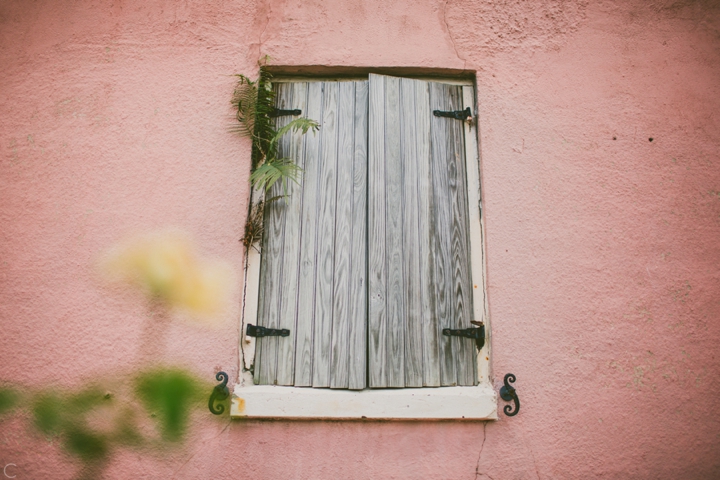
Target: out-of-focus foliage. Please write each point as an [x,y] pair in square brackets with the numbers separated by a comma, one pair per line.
[66,415]
[167,267]
[152,410]
[9,398]
[169,395]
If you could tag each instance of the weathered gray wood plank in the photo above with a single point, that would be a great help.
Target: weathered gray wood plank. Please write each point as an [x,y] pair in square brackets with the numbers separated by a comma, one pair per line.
[429,321]
[272,267]
[322,336]
[377,313]
[410,248]
[359,243]
[460,247]
[441,224]
[343,225]
[308,226]
[293,145]
[394,237]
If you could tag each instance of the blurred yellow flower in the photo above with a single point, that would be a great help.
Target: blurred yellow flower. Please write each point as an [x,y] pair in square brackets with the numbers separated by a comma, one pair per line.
[165,266]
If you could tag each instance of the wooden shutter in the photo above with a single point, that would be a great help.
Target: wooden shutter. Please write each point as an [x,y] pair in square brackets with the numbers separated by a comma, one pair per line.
[419,252]
[314,261]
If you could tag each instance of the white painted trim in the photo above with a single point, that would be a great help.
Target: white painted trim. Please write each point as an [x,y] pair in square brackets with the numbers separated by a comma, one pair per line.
[250,300]
[477,248]
[441,403]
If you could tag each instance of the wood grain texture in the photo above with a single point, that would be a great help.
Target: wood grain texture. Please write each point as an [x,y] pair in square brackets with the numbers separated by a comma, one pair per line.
[308,225]
[271,269]
[359,243]
[441,224]
[292,146]
[460,246]
[377,311]
[428,319]
[324,275]
[412,297]
[394,237]
[340,354]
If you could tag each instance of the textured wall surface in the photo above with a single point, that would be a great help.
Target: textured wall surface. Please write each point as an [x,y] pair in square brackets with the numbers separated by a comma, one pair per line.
[599,146]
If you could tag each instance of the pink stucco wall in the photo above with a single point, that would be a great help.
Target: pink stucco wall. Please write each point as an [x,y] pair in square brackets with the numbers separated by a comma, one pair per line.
[603,247]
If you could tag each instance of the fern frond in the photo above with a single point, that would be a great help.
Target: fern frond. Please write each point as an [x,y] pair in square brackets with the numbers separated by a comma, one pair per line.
[299,124]
[244,99]
[267,174]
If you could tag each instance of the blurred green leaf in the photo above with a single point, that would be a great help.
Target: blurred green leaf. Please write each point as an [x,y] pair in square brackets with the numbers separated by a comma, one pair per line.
[169,393]
[48,412]
[86,444]
[9,398]
[85,401]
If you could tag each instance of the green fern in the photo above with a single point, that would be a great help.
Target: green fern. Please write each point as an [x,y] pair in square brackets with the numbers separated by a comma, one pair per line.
[270,172]
[255,103]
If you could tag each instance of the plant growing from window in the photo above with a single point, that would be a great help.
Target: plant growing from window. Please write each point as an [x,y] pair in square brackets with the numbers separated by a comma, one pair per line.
[255,103]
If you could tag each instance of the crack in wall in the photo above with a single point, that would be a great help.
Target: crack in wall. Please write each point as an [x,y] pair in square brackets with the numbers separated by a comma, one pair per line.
[201,449]
[527,445]
[482,445]
[267,22]
[452,39]
[259,43]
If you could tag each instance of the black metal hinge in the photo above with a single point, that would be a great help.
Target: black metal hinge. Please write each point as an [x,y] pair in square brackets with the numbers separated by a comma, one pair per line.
[257,331]
[277,112]
[477,334]
[456,114]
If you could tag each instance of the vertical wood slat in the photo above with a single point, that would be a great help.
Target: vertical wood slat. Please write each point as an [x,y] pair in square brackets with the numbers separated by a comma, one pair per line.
[377,314]
[460,248]
[324,274]
[429,321]
[308,224]
[412,297]
[394,298]
[292,146]
[359,243]
[343,224]
[271,269]
[440,224]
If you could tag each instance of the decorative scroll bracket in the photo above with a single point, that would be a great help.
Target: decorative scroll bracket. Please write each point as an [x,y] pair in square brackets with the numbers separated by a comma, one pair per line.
[508,393]
[220,393]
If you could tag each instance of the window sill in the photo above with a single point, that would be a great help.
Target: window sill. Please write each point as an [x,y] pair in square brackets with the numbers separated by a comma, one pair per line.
[443,403]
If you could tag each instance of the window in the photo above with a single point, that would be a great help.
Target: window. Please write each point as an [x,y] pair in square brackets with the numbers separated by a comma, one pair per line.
[371,256]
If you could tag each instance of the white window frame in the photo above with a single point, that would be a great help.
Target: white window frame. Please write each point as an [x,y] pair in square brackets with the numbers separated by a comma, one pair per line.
[428,403]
